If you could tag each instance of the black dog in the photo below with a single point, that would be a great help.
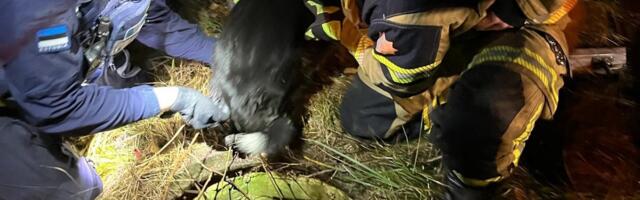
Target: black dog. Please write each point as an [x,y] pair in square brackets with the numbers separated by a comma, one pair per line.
[258,60]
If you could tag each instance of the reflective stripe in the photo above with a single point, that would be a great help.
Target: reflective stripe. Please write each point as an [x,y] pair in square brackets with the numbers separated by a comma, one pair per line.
[402,75]
[525,135]
[332,29]
[322,9]
[522,57]
[310,34]
[2,104]
[561,12]
[363,43]
[477,182]
[426,120]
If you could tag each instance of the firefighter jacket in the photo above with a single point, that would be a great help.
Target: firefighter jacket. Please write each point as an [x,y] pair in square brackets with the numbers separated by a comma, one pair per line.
[417,36]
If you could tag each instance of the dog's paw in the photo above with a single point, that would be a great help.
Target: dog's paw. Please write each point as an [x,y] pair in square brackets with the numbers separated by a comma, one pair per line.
[249,143]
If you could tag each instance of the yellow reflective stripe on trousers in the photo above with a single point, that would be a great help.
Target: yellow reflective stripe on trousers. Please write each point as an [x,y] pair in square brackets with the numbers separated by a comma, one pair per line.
[402,75]
[309,34]
[322,9]
[477,182]
[561,12]
[332,29]
[522,57]
[426,120]
[363,44]
[525,135]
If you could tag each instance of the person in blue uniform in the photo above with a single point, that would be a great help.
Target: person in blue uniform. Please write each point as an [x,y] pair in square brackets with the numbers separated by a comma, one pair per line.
[53,56]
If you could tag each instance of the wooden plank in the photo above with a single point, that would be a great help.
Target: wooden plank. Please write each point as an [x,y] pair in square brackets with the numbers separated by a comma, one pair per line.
[581,60]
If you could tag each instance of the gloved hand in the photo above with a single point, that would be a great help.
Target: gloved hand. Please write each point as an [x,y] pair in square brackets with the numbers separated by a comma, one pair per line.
[198,110]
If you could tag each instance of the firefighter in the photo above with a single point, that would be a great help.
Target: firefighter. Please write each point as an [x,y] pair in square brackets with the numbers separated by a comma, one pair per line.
[479,113]
[49,51]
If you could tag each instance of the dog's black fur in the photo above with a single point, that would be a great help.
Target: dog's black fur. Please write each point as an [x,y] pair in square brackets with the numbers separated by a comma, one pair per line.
[258,60]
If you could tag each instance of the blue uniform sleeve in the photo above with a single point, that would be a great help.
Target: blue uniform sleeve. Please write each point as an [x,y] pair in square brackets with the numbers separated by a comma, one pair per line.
[45,80]
[165,30]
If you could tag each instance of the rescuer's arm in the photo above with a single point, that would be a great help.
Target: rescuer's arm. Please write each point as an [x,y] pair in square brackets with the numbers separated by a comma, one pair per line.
[44,80]
[165,30]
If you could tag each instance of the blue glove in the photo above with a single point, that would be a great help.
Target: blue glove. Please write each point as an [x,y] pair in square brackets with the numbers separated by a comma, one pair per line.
[198,110]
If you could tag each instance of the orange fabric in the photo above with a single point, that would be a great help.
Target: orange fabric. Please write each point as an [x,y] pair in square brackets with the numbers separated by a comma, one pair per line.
[561,12]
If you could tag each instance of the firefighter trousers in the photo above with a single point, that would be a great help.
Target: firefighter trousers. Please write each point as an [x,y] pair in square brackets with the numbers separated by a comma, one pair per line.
[479,111]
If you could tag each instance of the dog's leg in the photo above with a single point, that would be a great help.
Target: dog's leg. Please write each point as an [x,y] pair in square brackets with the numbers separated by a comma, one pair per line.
[250,143]
[281,133]
[272,141]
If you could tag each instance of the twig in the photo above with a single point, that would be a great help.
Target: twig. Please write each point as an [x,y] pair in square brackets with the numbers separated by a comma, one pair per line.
[169,142]
[434,159]
[231,159]
[273,180]
[180,161]
[235,187]
[415,159]
[318,162]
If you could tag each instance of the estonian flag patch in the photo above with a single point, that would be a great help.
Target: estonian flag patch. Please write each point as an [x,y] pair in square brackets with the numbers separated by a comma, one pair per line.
[53,39]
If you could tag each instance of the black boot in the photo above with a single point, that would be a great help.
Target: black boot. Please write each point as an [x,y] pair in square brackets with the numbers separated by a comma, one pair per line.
[457,190]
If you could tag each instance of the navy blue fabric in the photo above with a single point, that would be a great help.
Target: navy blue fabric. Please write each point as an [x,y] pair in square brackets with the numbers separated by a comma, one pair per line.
[417,45]
[366,114]
[3,83]
[47,86]
[165,30]
[36,166]
[379,9]
[469,128]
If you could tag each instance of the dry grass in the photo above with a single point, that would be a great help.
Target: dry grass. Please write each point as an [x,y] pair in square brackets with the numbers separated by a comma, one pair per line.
[151,159]
[367,170]
[143,160]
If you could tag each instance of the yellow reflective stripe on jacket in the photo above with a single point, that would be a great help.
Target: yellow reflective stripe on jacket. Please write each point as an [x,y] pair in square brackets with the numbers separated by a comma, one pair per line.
[561,12]
[522,57]
[402,75]
[2,104]
[477,182]
[520,140]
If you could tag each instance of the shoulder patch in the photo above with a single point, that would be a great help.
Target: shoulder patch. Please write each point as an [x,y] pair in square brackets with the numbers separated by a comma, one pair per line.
[53,39]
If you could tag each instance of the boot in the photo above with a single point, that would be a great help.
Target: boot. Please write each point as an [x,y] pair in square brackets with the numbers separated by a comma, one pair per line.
[457,190]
